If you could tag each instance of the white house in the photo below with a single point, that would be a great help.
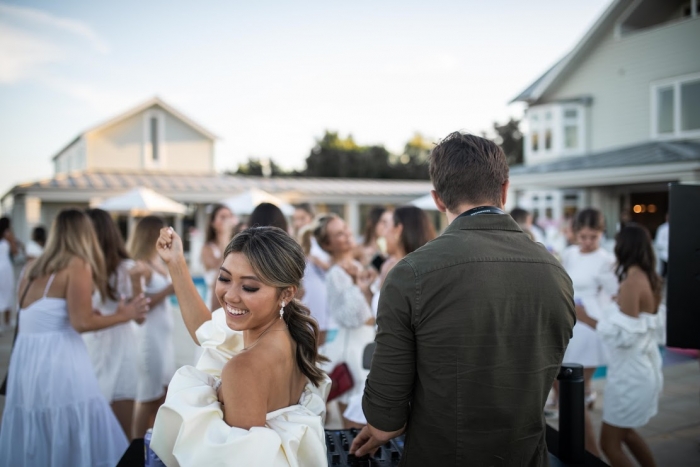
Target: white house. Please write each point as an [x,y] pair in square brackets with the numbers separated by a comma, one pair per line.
[617,119]
[157,147]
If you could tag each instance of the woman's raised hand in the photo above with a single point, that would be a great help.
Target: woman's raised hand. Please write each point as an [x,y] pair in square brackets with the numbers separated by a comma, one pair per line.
[169,245]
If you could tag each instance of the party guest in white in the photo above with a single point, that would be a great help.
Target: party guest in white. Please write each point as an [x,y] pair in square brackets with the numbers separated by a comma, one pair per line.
[632,331]
[54,413]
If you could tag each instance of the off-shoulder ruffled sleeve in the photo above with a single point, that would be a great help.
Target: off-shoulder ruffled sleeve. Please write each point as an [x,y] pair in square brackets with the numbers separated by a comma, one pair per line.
[623,331]
[190,429]
[219,343]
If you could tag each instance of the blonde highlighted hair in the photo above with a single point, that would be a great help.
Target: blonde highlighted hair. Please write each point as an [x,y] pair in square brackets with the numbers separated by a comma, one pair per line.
[142,242]
[71,235]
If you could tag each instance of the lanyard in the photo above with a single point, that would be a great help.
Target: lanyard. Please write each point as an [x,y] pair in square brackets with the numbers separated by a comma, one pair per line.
[481,210]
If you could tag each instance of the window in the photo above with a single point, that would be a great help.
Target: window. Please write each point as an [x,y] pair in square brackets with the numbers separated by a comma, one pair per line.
[690,106]
[154,139]
[534,138]
[556,130]
[676,107]
[665,110]
[571,128]
[154,153]
[548,139]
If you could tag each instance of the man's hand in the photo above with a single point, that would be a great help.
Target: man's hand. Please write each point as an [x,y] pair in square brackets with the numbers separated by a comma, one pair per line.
[370,439]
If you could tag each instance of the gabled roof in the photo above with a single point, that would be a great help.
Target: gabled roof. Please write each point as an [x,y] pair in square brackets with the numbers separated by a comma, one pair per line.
[140,108]
[535,90]
[637,155]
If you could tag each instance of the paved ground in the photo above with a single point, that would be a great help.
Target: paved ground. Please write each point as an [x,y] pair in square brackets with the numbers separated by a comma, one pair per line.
[674,434]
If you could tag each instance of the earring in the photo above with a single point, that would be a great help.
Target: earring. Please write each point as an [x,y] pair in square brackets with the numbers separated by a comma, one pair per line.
[282,310]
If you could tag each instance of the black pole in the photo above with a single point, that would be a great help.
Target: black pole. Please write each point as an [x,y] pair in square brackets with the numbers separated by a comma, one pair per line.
[571,406]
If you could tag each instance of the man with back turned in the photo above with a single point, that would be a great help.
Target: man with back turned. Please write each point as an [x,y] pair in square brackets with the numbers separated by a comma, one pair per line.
[472,328]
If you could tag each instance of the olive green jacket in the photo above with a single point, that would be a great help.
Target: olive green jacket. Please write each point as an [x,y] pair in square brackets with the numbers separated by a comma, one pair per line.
[472,329]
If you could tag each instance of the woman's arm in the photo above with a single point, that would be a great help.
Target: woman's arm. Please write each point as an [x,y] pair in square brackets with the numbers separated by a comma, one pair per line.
[244,391]
[629,295]
[194,310]
[79,302]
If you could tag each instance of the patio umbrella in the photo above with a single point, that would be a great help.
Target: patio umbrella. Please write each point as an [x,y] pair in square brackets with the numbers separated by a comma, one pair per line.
[141,202]
[244,203]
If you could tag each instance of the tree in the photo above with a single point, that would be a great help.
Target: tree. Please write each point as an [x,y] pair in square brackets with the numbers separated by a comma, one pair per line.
[510,139]
[334,156]
[260,167]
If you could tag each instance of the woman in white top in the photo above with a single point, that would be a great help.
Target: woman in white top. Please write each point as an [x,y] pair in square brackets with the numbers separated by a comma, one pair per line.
[35,246]
[591,269]
[8,247]
[155,359]
[407,230]
[55,414]
[219,233]
[257,396]
[632,331]
[349,296]
[113,350]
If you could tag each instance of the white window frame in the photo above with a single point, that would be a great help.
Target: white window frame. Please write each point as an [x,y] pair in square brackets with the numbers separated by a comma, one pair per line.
[147,151]
[675,83]
[580,125]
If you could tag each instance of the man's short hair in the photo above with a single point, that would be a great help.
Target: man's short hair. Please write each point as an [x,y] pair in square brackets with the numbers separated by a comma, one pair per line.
[519,215]
[306,207]
[468,169]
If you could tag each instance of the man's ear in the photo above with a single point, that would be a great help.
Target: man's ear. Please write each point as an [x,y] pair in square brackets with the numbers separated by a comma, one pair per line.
[504,192]
[438,202]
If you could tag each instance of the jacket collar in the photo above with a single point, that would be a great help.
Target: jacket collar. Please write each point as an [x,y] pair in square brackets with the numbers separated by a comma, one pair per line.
[485,222]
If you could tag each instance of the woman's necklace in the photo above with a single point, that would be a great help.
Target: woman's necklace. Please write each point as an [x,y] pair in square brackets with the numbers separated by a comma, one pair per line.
[262,334]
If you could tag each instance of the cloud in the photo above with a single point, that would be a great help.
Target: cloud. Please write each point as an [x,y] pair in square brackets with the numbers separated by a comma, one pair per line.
[44,19]
[31,38]
[22,53]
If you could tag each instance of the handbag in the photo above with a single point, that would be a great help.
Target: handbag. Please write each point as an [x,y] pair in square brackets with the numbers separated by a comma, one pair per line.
[341,381]
[341,378]
[3,388]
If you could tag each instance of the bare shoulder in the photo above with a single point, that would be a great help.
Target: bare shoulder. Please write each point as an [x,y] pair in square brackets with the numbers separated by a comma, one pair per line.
[248,369]
[636,278]
[77,264]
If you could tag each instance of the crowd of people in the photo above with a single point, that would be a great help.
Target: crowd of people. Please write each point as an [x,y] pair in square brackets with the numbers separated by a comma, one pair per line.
[458,320]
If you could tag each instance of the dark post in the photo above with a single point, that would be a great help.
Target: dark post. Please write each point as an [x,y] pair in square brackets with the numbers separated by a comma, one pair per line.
[571,424]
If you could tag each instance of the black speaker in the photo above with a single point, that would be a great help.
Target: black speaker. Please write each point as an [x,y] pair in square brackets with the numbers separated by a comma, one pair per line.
[683,286]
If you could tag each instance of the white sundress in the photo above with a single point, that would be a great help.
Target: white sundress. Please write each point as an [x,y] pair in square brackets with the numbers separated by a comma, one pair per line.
[190,431]
[7,278]
[113,350]
[595,283]
[55,414]
[155,347]
[634,377]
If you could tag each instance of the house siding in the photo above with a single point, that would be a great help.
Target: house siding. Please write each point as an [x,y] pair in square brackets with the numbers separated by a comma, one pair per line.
[618,74]
[71,158]
[118,146]
[187,149]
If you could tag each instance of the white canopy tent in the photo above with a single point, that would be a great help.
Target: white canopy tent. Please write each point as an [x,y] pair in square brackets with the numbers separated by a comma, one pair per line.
[425,202]
[244,203]
[142,201]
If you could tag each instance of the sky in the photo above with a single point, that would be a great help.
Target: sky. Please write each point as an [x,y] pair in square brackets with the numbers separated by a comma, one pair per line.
[269,77]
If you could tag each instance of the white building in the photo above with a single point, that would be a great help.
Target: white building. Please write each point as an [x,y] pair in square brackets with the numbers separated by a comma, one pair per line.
[155,146]
[618,118]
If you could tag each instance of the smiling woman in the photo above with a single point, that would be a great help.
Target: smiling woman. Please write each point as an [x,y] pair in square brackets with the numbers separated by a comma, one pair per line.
[257,387]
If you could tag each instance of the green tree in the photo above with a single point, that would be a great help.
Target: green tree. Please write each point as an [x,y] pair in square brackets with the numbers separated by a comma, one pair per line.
[510,139]
[258,167]
[334,156]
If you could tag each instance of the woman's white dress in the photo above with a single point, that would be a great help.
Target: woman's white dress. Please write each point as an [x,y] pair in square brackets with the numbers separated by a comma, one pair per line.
[155,348]
[634,377]
[349,309]
[113,350]
[594,284]
[55,414]
[190,430]
[7,278]
[210,275]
